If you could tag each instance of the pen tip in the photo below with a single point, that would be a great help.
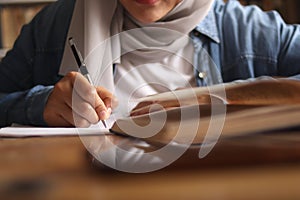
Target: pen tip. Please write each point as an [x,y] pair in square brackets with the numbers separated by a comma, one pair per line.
[104,123]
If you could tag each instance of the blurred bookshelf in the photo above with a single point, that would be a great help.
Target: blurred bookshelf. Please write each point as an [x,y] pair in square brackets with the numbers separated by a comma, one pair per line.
[13,15]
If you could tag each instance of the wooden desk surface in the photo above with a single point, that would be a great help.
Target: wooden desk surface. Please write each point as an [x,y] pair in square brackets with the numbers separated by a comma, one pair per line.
[60,168]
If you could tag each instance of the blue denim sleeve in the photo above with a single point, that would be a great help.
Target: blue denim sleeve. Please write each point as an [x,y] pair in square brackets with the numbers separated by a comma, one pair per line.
[288,58]
[29,70]
[255,43]
[24,107]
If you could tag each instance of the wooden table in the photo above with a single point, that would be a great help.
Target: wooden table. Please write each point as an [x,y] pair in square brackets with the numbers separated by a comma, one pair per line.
[265,166]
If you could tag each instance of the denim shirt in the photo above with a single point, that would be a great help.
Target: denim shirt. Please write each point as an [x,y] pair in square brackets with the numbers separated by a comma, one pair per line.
[232,43]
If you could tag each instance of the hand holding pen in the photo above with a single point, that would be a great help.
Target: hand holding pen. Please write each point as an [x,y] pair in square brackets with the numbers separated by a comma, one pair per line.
[82,68]
[74,101]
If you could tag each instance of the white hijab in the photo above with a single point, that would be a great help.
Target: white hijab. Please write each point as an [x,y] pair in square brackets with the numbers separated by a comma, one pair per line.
[94,22]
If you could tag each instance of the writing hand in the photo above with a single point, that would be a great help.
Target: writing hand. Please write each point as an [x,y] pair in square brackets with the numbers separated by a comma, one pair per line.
[75,102]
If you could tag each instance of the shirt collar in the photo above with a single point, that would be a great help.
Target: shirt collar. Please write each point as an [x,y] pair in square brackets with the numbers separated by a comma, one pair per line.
[208,26]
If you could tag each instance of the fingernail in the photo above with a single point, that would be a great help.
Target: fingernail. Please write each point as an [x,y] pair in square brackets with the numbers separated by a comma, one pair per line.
[103,114]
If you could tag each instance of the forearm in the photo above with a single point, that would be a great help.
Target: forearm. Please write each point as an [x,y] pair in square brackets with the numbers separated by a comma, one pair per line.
[25,107]
[288,58]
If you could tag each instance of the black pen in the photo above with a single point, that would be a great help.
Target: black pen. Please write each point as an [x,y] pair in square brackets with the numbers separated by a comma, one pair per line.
[82,67]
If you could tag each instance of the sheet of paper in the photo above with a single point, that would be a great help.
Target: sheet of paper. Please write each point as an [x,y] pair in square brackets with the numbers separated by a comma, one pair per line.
[43,132]
[17,130]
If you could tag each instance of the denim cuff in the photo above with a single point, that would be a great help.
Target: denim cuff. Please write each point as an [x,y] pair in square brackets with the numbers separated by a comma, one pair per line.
[37,99]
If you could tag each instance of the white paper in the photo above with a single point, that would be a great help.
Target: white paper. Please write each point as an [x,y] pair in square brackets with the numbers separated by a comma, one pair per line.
[17,130]
[43,132]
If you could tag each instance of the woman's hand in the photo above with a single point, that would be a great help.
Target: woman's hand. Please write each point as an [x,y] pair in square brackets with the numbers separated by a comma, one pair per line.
[75,102]
[146,107]
[261,92]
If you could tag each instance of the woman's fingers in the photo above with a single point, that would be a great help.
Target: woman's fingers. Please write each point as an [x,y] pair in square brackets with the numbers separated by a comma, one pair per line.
[152,106]
[109,100]
[75,102]
[84,109]
[99,98]
[107,97]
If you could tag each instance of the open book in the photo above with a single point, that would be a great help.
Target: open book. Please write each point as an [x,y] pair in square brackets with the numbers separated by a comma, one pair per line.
[190,116]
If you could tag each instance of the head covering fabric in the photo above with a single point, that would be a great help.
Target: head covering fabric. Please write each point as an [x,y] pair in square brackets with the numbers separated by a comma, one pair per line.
[95,26]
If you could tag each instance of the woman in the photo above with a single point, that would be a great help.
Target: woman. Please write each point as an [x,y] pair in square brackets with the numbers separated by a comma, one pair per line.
[242,43]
